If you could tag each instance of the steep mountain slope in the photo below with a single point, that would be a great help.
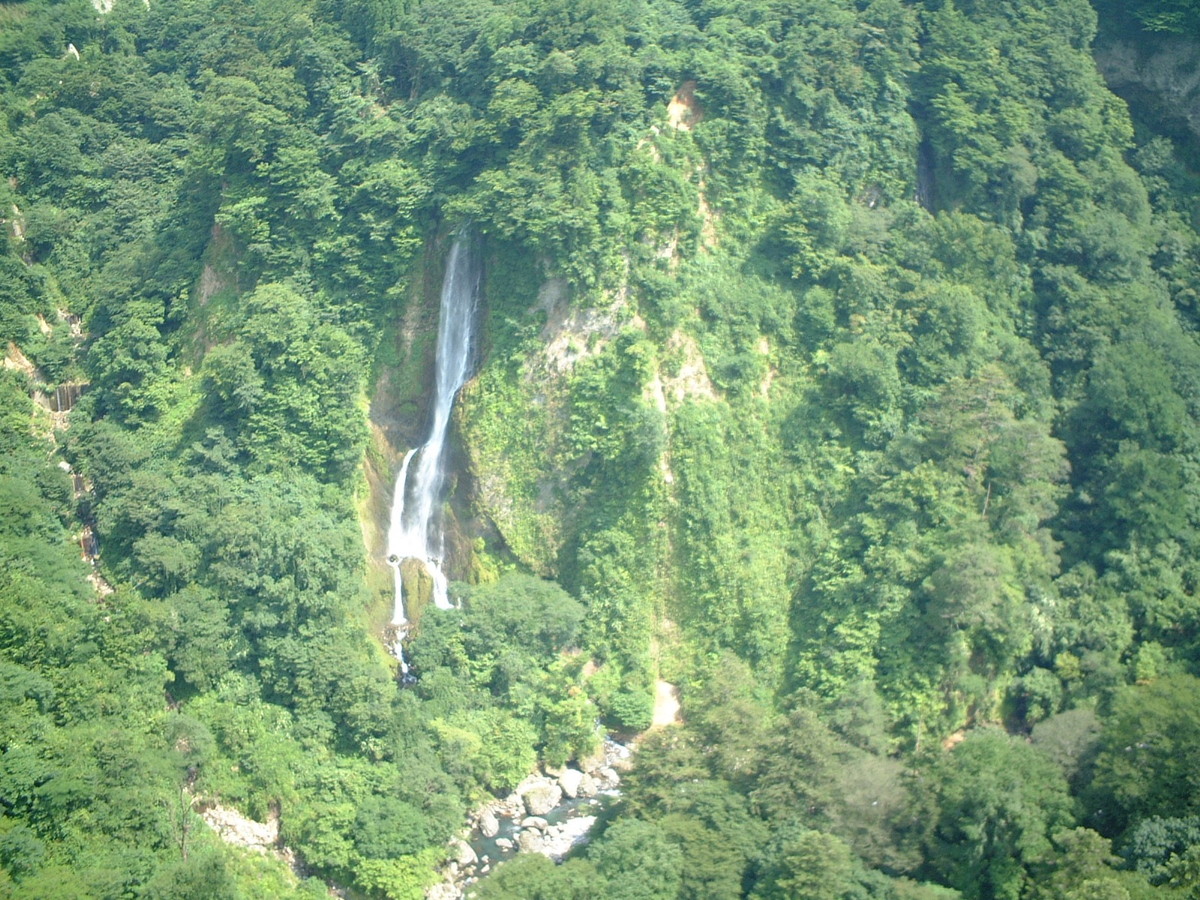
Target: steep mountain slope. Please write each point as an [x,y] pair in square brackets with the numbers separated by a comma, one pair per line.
[838,364]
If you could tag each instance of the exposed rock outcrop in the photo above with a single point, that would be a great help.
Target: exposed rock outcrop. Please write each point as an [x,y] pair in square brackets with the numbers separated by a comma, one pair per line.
[1161,78]
[236,829]
[684,111]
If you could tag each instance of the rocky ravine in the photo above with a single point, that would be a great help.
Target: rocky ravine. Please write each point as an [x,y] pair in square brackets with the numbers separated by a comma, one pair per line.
[550,812]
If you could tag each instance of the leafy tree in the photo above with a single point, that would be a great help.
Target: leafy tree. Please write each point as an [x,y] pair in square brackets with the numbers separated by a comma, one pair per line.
[1147,742]
[999,802]
[1156,842]
[1082,867]
[531,876]
[808,864]
[637,860]
[387,828]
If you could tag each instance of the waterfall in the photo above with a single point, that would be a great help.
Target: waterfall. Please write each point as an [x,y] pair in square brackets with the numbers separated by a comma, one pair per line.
[925,170]
[415,531]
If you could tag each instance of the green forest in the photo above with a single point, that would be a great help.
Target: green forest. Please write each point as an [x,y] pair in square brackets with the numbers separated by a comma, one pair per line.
[839,366]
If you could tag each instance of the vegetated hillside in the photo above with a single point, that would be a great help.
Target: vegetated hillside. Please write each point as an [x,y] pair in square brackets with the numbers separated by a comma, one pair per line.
[840,366]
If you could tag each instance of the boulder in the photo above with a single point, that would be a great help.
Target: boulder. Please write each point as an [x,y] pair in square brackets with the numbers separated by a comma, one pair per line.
[504,843]
[534,822]
[569,781]
[463,854]
[489,825]
[594,761]
[530,782]
[559,840]
[587,787]
[542,798]
[530,841]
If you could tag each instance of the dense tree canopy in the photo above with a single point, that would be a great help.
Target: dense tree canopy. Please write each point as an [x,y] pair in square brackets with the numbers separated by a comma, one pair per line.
[838,366]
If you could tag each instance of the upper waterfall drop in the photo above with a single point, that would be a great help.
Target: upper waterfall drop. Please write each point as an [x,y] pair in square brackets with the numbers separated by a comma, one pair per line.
[416,529]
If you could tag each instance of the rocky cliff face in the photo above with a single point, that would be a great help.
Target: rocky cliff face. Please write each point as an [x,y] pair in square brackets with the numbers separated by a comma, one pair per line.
[1159,76]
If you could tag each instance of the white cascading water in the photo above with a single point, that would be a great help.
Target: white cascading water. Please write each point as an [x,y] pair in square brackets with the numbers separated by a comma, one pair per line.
[415,531]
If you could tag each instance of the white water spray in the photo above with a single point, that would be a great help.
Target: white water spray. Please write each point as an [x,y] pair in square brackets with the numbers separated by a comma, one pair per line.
[416,531]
